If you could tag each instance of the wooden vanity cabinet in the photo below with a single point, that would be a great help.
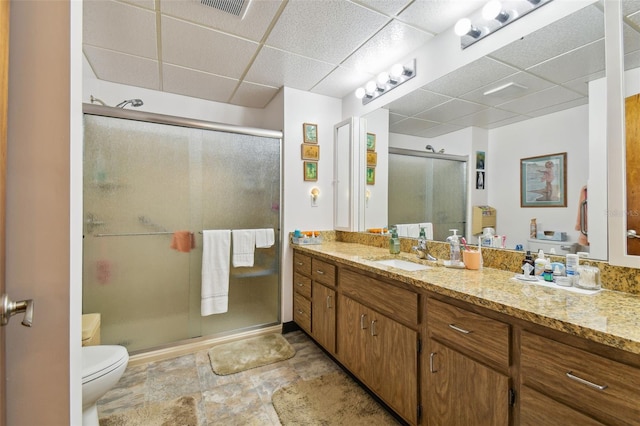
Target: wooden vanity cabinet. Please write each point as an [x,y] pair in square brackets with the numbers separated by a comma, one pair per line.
[373,342]
[466,367]
[302,291]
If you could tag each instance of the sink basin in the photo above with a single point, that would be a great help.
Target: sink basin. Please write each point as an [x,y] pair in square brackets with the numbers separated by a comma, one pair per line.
[403,264]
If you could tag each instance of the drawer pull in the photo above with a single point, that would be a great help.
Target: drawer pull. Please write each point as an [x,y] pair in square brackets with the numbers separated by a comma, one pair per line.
[585,382]
[431,356]
[373,328]
[363,318]
[319,272]
[300,263]
[300,311]
[461,330]
[300,284]
[328,302]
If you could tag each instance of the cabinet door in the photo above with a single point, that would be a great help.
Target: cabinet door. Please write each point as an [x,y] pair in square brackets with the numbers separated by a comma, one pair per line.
[393,363]
[461,391]
[323,319]
[353,329]
[537,409]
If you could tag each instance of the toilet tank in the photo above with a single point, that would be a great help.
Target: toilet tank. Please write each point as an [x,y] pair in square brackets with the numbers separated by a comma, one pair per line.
[560,247]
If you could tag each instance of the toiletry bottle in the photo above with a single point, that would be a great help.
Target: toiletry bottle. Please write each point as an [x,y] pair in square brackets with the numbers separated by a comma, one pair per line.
[454,247]
[548,272]
[528,259]
[533,228]
[540,263]
[394,242]
[571,267]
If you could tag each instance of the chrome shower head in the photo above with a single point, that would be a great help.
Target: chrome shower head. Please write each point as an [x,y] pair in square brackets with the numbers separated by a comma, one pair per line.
[430,148]
[134,103]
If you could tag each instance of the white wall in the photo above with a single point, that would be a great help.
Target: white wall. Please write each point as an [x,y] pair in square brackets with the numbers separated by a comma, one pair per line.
[376,213]
[305,107]
[565,131]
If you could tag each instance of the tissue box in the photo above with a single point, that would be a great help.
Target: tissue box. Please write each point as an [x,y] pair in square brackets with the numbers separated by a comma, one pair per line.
[552,235]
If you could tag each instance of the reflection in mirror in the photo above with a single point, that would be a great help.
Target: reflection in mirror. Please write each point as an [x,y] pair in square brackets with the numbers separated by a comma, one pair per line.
[438,185]
[526,99]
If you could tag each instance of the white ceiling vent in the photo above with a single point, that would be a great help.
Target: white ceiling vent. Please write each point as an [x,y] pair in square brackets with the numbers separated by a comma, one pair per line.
[508,90]
[235,7]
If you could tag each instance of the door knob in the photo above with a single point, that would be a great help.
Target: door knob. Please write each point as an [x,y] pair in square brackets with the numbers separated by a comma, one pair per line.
[9,308]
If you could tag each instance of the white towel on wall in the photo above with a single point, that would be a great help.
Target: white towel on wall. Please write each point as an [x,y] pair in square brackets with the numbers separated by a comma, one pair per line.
[244,247]
[403,230]
[265,237]
[216,249]
[428,230]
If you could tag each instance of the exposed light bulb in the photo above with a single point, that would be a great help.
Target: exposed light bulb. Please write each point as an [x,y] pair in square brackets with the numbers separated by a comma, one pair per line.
[370,87]
[383,78]
[463,27]
[493,10]
[396,71]
[360,93]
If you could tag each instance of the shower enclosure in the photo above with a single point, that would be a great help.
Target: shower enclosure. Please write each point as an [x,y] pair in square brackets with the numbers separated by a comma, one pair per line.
[148,176]
[426,187]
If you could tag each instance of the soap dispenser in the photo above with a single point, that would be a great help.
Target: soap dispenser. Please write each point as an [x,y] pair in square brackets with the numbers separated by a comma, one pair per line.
[454,247]
[394,242]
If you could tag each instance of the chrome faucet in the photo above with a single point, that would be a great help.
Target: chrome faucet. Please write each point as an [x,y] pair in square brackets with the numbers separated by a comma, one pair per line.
[422,249]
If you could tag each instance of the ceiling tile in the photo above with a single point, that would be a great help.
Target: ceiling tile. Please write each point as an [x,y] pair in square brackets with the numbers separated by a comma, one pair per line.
[471,77]
[253,95]
[514,119]
[394,118]
[278,68]
[631,37]
[411,126]
[340,82]
[388,7]
[540,100]
[203,49]
[529,82]
[559,107]
[123,69]
[570,66]
[415,102]
[436,16]
[252,26]
[119,26]
[571,32]
[439,130]
[328,31]
[393,43]
[451,110]
[484,117]
[197,84]
[581,84]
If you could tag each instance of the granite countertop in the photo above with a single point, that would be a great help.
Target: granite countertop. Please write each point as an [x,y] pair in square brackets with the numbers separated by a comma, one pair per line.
[608,317]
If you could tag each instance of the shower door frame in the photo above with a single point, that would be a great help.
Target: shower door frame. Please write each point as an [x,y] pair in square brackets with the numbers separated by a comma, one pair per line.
[155,118]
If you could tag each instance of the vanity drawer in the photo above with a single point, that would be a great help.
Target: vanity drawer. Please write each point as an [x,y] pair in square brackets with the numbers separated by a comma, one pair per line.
[302,263]
[302,312]
[595,385]
[323,272]
[479,337]
[395,302]
[302,285]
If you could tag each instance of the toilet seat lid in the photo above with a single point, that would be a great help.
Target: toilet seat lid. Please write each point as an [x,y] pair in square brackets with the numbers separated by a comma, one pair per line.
[102,359]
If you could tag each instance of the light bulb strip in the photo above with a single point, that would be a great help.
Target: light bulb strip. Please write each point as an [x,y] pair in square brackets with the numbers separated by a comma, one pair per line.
[386,81]
[493,17]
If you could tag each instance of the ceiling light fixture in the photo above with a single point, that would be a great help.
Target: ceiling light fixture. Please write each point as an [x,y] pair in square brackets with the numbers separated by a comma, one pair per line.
[385,81]
[491,18]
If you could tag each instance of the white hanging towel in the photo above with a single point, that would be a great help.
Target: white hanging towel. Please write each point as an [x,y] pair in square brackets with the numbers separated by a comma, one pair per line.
[216,248]
[244,247]
[428,230]
[265,237]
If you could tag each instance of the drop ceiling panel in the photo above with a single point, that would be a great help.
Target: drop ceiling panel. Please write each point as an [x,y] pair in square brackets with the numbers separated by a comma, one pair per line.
[578,29]
[514,119]
[197,84]
[570,66]
[388,7]
[252,26]
[274,67]
[437,16]
[119,26]
[394,118]
[415,102]
[581,85]
[529,84]
[253,95]
[559,107]
[203,49]
[123,69]
[324,30]
[394,42]
[451,110]
[473,76]
[340,82]
[483,118]
[411,126]
[439,130]
[539,100]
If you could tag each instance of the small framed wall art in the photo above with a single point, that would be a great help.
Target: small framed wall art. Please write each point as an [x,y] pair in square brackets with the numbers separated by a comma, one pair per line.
[371,142]
[371,175]
[543,181]
[310,151]
[310,132]
[310,170]
[372,158]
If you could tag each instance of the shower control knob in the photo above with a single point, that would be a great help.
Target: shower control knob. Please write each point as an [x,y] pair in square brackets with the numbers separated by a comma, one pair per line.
[9,308]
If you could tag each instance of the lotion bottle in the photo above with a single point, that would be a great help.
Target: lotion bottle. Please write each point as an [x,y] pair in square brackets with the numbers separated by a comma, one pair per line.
[454,247]
[540,263]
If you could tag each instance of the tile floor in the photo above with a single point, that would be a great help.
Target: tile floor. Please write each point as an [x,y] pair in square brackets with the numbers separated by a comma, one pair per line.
[238,399]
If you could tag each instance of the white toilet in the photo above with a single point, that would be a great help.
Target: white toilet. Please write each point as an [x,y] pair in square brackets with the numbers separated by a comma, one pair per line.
[102,367]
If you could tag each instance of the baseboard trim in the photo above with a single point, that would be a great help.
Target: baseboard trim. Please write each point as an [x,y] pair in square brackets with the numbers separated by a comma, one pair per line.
[190,347]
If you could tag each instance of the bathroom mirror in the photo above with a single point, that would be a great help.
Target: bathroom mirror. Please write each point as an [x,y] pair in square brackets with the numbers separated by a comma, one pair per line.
[545,72]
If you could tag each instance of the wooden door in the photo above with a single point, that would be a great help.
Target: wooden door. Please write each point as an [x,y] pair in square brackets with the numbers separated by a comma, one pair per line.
[4,84]
[461,391]
[632,128]
[393,364]
[353,328]
[323,316]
